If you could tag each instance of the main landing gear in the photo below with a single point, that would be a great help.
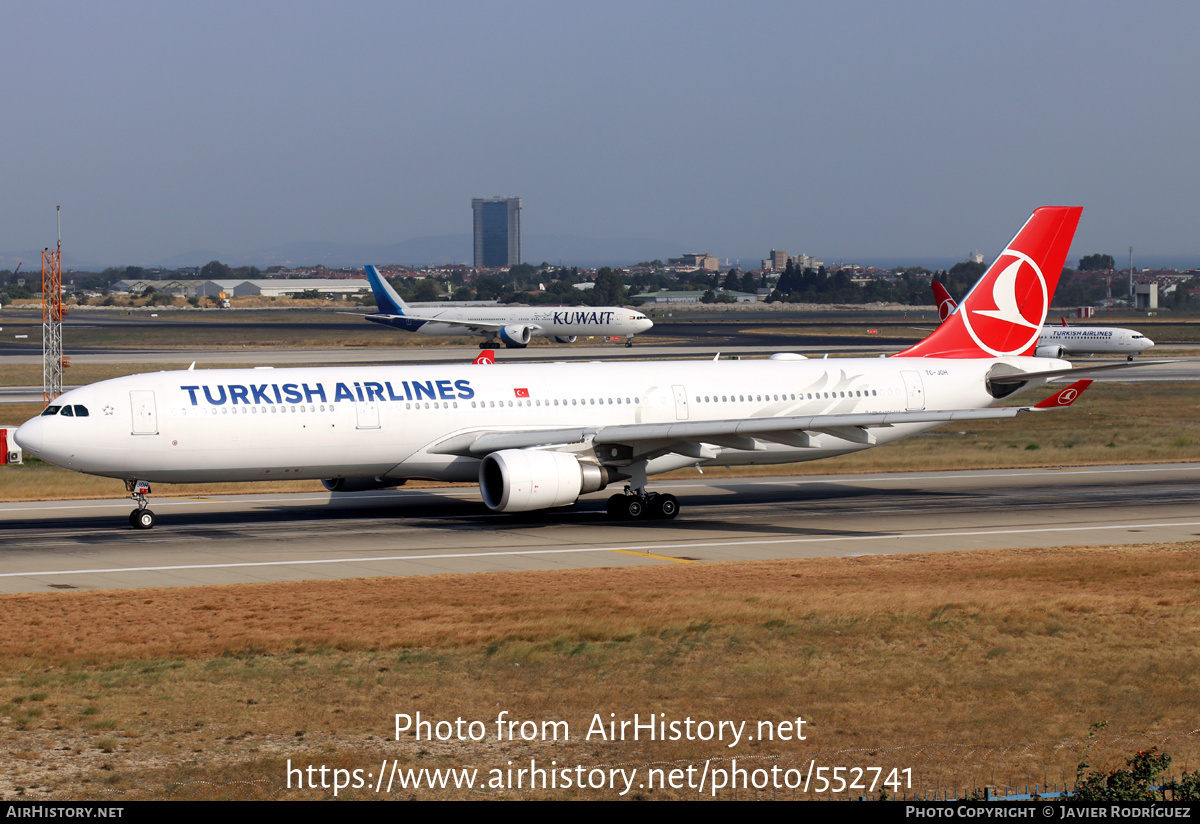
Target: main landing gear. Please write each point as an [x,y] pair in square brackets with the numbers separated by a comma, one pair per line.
[142,517]
[643,505]
[492,343]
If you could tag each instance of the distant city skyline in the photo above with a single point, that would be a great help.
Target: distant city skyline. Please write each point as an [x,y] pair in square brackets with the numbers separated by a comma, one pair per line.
[858,131]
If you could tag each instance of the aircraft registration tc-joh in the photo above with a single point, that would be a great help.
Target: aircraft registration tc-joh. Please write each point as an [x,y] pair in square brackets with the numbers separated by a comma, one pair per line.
[536,436]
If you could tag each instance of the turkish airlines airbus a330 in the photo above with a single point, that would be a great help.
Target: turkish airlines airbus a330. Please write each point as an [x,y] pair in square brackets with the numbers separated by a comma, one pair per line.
[536,436]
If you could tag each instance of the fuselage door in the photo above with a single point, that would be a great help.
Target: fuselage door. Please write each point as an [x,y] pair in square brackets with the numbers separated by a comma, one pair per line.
[368,414]
[681,407]
[915,390]
[145,415]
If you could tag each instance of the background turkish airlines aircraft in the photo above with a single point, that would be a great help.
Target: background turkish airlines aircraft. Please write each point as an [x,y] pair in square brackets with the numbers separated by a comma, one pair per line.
[514,326]
[539,435]
[1059,341]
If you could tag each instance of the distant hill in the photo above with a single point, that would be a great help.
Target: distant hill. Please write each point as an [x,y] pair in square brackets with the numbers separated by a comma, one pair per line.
[565,250]
[422,251]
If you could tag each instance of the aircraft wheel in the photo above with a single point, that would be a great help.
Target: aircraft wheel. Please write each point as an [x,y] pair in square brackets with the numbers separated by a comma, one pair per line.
[634,507]
[616,506]
[142,519]
[665,507]
[133,518]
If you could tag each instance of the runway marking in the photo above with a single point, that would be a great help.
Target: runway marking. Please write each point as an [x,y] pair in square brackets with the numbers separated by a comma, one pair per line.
[281,497]
[623,549]
[460,492]
[995,473]
[658,557]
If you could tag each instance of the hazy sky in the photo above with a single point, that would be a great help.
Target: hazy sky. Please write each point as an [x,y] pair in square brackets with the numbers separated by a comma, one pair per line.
[840,129]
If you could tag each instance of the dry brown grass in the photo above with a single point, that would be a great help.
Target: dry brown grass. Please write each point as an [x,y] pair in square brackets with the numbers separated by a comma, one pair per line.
[956,665]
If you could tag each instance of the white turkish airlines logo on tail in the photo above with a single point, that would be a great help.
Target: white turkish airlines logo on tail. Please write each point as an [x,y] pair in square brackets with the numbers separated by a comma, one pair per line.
[1022,300]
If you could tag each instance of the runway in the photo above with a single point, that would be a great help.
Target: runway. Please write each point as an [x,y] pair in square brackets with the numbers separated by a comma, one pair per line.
[290,537]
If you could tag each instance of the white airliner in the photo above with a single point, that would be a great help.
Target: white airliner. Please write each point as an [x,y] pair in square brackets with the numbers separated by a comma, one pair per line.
[514,326]
[536,436]
[1060,341]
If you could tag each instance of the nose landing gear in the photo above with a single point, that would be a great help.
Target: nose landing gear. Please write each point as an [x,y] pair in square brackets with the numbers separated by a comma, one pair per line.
[142,517]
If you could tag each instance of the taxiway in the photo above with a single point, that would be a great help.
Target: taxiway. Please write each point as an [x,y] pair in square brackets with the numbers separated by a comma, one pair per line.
[251,538]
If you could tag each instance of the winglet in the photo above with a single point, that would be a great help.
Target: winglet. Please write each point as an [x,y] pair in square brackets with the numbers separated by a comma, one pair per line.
[386,299]
[1065,397]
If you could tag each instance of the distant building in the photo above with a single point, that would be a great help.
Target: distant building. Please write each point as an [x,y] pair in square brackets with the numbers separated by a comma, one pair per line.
[166,287]
[694,296]
[777,261]
[497,231]
[340,288]
[705,261]
[1145,295]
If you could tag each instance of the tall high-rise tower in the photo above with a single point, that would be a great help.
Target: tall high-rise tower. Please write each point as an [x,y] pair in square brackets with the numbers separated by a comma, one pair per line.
[497,231]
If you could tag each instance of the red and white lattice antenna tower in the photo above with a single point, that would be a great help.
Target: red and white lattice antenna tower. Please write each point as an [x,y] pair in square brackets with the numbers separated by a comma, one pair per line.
[52,318]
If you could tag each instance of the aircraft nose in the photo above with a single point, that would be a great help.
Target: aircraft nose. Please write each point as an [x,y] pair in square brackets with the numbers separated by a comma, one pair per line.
[29,436]
[644,323]
[1147,344]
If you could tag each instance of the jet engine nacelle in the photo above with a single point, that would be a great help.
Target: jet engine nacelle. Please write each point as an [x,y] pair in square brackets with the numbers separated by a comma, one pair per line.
[564,338]
[516,335]
[359,484]
[521,480]
[1048,351]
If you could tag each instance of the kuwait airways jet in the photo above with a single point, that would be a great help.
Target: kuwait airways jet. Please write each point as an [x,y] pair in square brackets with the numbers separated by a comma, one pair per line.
[535,436]
[1060,341]
[514,326]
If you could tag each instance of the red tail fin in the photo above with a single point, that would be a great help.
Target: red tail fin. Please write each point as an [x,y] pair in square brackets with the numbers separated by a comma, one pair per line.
[945,303]
[1004,312]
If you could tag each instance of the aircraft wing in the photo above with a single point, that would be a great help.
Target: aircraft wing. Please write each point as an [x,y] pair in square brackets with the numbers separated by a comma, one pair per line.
[1017,376]
[627,441]
[473,325]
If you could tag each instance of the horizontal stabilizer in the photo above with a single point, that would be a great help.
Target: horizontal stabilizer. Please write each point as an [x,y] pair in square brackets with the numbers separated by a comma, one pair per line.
[1023,377]
[1064,397]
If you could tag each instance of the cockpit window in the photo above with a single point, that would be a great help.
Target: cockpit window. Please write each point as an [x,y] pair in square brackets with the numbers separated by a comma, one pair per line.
[67,410]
